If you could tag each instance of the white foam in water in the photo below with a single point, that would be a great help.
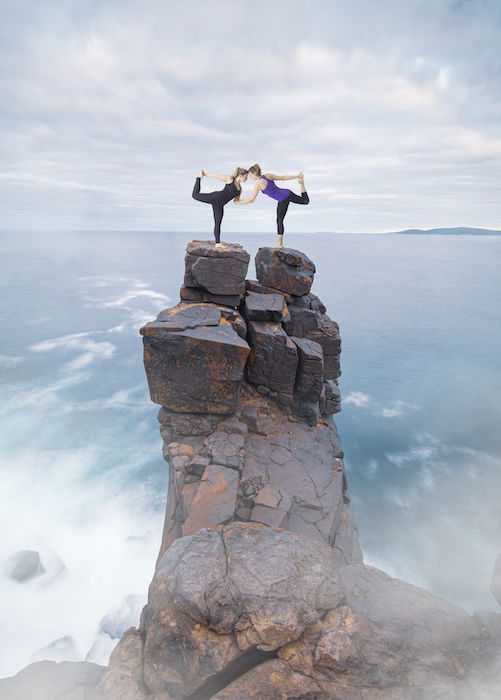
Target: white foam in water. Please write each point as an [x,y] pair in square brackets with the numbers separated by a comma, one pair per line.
[83,479]
[105,534]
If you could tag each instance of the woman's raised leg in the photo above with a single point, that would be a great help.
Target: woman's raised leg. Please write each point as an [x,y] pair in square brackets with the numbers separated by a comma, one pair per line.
[206,197]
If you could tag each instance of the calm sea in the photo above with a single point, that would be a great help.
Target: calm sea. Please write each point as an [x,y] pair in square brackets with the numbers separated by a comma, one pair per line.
[83,481]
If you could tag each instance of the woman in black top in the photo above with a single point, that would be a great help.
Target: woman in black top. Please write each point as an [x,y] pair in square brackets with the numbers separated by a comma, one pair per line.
[219,198]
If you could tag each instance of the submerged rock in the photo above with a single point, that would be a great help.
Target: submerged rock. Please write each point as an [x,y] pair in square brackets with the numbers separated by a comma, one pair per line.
[62,649]
[24,565]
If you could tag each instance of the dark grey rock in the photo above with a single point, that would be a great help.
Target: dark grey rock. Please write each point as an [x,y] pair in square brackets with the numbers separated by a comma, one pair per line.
[388,637]
[258,288]
[285,269]
[273,517]
[301,321]
[196,294]
[309,378]
[331,398]
[184,316]
[235,319]
[264,307]
[274,360]
[327,336]
[218,271]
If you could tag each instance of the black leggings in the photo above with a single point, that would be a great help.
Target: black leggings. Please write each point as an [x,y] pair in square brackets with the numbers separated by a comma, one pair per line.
[284,205]
[217,200]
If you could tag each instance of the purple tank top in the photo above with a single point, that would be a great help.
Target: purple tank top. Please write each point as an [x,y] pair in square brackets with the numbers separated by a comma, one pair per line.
[278,193]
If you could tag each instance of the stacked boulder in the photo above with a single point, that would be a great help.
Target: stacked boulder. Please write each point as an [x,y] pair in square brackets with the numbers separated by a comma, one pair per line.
[275,328]
[295,345]
[214,274]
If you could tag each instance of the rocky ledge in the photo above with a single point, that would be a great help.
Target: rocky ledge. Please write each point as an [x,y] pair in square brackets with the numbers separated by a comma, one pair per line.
[260,590]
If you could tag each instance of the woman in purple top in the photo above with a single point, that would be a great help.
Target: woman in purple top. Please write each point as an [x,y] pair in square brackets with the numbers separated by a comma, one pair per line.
[266,185]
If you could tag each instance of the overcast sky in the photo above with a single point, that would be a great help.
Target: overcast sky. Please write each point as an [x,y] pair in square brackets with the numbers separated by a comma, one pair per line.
[391,107]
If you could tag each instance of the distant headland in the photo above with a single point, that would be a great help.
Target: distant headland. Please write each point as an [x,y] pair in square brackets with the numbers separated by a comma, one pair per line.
[458,231]
[455,231]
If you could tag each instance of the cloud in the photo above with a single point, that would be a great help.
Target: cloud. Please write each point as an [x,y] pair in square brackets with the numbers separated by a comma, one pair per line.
[122,107]
[10,360]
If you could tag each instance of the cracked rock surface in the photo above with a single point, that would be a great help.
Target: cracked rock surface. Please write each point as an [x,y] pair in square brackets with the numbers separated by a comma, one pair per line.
[261,465]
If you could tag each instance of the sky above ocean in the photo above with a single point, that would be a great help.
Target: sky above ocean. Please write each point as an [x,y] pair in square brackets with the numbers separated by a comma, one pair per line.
[392,109]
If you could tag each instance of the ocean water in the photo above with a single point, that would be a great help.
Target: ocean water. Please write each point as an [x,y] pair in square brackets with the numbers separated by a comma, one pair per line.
[83,480]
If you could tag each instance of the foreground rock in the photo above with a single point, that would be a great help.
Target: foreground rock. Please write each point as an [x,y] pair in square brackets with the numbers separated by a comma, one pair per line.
[243,610]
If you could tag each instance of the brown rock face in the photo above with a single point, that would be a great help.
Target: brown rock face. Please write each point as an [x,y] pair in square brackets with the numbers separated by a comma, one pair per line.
[194,360]
[285,269]
[215,500]
[288,474]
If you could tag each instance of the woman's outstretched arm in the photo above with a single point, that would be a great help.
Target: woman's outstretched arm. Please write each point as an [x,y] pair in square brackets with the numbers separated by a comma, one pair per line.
[217,176]
[257,189]
[283,177]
